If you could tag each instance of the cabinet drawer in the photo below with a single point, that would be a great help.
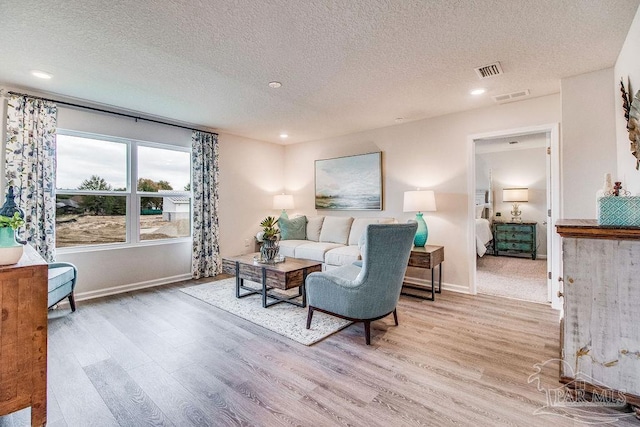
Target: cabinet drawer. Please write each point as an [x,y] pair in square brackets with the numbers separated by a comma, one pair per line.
[514,228]
[514,246]
[516,237]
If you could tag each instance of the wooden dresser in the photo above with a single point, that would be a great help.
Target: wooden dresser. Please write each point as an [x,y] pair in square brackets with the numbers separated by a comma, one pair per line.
[600,330]
[515,238]
[23,336]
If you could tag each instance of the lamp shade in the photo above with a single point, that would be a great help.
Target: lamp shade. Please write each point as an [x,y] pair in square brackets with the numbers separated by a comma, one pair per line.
[419,201]
[515,195]
[283,201]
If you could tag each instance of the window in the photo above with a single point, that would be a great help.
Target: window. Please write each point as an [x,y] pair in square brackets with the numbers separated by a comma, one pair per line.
[97,203]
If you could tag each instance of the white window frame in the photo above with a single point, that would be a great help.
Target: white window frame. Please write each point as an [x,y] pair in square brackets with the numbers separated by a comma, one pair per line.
[132,195]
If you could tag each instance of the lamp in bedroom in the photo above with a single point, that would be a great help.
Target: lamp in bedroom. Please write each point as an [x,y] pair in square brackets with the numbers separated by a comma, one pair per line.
[420,201]
[516,196]
[284,202]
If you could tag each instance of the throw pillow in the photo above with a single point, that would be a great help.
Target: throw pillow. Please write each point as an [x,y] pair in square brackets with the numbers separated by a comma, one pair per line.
[293,229]
[314,225]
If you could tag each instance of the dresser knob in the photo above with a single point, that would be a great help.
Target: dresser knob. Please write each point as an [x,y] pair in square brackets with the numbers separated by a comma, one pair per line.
[560,294]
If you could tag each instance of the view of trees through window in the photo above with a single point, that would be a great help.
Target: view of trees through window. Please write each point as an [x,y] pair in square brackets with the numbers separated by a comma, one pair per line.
[94,209]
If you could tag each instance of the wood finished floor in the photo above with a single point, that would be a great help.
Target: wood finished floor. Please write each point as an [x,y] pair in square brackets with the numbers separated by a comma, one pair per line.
[161,357]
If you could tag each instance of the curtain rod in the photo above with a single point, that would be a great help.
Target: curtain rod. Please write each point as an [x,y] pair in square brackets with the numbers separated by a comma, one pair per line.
[136,118]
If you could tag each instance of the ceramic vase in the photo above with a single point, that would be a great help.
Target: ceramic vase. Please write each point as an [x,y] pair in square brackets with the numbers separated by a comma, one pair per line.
[10,249]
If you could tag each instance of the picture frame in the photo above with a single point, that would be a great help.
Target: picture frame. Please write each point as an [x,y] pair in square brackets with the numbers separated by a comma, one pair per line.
[349,183]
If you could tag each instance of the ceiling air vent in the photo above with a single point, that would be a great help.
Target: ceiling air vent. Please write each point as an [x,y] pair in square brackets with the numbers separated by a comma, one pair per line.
[513,96]
[490,70]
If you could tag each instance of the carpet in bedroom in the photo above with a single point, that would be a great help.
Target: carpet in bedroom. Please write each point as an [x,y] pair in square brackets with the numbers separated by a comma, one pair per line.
[511,277]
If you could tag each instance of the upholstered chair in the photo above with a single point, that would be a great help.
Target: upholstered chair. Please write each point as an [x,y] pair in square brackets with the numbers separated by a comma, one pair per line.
[366,290]
[62,282]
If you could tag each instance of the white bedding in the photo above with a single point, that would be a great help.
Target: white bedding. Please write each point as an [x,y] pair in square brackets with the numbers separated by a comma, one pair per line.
[483,235]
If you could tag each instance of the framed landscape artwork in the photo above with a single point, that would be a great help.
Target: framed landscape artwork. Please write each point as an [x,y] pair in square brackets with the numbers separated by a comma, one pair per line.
[349,183]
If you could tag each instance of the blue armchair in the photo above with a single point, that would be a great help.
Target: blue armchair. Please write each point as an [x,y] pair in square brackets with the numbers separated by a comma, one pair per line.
[62,282]
[368,290]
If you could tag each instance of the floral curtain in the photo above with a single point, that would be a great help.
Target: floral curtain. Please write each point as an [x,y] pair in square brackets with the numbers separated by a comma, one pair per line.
[205,260]
[30,168]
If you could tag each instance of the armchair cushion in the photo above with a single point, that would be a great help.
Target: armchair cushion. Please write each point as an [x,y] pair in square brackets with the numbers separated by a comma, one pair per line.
[62,278]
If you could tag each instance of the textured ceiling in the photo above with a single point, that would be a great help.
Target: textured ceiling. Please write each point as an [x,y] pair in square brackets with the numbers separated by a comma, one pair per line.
[345,66]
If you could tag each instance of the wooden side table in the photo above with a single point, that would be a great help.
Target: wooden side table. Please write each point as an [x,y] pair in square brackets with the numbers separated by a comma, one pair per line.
[428,257]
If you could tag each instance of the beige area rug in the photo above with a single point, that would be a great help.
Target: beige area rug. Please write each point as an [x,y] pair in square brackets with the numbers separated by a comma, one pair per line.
[284,319]
[510,277]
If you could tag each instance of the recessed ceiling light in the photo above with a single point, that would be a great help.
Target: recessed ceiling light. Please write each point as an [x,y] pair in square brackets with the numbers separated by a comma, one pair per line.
[275,85]
[284,135]
[477,91]
[41,74]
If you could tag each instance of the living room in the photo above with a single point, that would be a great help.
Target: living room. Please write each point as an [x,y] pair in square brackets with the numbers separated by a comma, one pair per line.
[430,152]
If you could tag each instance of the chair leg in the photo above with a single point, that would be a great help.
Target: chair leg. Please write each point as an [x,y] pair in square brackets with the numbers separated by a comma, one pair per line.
[395,317]
[72,302]
[367,331]
[309,316]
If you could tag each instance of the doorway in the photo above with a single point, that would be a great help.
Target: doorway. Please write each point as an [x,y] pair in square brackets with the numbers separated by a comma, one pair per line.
[526,159]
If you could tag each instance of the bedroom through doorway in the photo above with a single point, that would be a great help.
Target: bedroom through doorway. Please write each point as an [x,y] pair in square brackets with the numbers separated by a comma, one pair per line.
[511,209]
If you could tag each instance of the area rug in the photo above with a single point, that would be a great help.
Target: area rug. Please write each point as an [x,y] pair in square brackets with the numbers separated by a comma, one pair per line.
[284,319]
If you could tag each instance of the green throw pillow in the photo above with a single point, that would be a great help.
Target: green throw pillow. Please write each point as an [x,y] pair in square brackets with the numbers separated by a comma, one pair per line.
[293,229]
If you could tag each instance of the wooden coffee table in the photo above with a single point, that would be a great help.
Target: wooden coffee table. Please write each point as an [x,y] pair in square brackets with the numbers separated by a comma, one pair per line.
[285,275]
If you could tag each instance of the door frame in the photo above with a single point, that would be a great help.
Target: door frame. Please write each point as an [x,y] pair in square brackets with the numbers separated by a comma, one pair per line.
[553,175]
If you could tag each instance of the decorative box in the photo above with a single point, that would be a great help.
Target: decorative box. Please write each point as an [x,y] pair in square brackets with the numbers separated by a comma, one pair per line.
[619,210]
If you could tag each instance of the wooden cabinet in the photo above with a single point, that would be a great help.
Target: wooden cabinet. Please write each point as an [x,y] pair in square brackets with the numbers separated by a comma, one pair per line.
[23,336]
[515,238]
[600,330]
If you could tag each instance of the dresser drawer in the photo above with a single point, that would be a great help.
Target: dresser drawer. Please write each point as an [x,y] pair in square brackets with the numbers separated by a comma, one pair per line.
[514,246]
[520,237]
[514,228]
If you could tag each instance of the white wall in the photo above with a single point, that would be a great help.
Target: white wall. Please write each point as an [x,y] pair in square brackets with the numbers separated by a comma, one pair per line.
[520,168]
[588,140]
[430,154]
[627,68]
[250,173]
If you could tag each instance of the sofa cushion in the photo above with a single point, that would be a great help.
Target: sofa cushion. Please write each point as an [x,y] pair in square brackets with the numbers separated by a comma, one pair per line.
[342,255]
[288,247]
[360,224]
[314,225]
[314,250]
[335,229]
[293,229]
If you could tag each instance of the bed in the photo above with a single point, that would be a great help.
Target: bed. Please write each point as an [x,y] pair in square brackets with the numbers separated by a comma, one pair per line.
[483,211]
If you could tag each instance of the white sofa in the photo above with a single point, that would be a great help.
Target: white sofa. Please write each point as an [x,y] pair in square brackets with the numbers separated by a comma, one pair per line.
[332,240]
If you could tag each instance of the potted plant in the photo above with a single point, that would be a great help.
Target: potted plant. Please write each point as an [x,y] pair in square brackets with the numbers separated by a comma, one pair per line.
[270,235]
[10,249]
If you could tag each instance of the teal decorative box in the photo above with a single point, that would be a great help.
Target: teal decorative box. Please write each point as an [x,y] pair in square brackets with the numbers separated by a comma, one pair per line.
[619,210]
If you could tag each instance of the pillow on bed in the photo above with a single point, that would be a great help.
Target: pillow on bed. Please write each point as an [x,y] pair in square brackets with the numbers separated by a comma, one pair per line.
[479,210]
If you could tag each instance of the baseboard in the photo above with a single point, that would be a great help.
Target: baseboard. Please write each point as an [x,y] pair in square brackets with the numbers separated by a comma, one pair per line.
[83,296]
[455,288]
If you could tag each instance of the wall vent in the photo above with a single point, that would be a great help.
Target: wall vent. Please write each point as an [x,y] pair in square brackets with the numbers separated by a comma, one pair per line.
[490,70]
[513,96]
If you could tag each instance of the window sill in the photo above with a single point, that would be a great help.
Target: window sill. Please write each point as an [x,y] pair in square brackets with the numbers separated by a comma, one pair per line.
[119,246]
